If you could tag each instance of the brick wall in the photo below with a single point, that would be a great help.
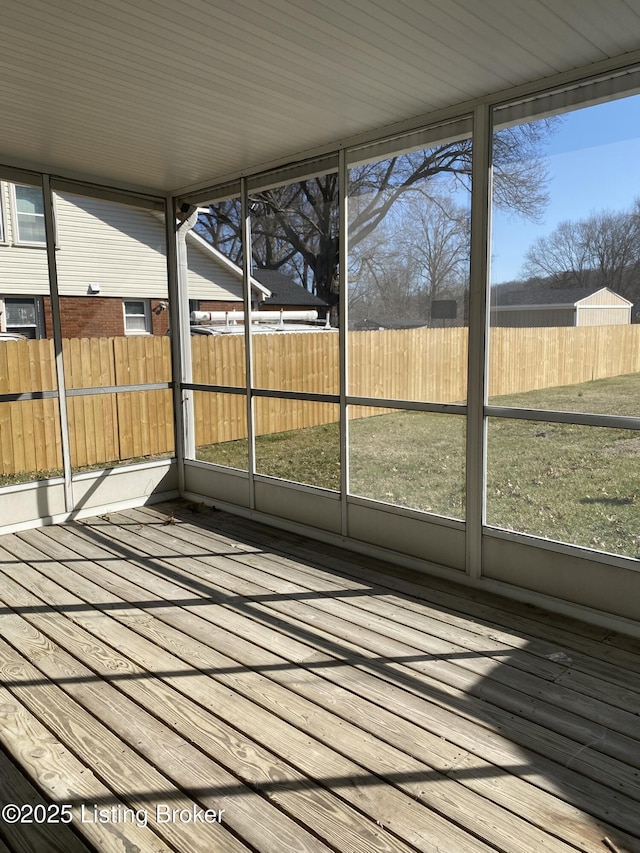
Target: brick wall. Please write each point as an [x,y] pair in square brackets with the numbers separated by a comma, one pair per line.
[159,316]
[48,322]
[103,317]
[212,305]
[91,317]
[99,317]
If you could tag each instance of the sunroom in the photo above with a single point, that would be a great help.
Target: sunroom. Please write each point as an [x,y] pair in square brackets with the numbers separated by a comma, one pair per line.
[408,164]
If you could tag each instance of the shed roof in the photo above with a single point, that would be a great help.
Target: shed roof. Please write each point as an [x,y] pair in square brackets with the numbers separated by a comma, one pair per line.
[162,95]
[374,323]
[534,296]
[284,291]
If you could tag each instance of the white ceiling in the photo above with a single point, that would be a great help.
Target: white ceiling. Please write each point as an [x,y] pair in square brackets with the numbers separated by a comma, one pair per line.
[165,94]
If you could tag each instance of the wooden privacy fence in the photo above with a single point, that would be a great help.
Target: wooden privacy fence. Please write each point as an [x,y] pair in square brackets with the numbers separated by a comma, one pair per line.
[530,359]
[290,362]
[29,430]
[103,428]
[405,364]
[412,364]
[124,425]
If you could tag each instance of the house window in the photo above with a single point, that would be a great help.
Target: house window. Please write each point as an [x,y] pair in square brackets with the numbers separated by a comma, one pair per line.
[29,215]
[22,315]
[137,317]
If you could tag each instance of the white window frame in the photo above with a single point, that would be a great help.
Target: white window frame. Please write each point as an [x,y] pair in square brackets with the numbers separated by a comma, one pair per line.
[15,220]
[39,324]
[147,316]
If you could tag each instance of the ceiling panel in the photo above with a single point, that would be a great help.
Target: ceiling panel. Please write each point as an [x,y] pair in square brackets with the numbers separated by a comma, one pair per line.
[162,95]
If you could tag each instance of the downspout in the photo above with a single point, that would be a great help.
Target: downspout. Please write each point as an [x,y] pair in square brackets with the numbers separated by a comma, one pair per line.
[189,219]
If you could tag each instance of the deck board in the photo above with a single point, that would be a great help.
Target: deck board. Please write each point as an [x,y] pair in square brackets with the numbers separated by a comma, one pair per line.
[15,788]
[325,701]
[461,647]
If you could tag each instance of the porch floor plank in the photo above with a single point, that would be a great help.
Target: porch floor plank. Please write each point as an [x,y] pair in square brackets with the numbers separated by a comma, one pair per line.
[178,656]
[16,789]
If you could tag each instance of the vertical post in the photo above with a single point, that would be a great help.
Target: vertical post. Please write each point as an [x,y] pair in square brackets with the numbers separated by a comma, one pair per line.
[184,337]
[50,236]
[478,337]
[248,346]
[343,331]
[177,326]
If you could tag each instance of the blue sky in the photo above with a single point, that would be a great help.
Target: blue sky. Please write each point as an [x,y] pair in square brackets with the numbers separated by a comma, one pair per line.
[594,163]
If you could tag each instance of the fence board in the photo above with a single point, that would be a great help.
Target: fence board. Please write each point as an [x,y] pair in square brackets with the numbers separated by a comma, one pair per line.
[88,362]
[219,417]
[23,457]
[144,422]
[93,430]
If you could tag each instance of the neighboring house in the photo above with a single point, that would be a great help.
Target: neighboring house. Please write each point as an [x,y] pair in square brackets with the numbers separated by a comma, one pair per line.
[524,305]
[285,293]
[111,263]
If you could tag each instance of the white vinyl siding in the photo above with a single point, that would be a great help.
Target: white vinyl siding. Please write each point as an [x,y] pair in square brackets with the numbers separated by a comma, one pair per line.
[23,268]
[208,279]
[23,271]
[605,297]
[606,315]
[119,247]
[122,249]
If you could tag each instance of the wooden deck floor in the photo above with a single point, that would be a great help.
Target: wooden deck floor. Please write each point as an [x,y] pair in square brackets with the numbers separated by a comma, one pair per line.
[191,681]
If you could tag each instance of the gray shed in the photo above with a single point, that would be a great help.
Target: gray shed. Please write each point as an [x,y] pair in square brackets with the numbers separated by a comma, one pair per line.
[531,306]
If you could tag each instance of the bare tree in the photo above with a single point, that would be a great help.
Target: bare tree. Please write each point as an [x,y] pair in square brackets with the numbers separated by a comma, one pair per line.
[438,235]
[222,227]
[613,243]
[295,227]
[603,249]
[417,254]
[384,277]
[562,257]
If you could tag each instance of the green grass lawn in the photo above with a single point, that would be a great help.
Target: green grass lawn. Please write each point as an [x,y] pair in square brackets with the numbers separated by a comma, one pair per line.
[572,483]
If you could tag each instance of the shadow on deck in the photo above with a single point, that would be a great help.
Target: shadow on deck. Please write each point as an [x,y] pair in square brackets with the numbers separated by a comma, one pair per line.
[161,662]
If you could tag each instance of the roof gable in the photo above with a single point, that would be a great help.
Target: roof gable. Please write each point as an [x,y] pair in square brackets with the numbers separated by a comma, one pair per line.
[612,298]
